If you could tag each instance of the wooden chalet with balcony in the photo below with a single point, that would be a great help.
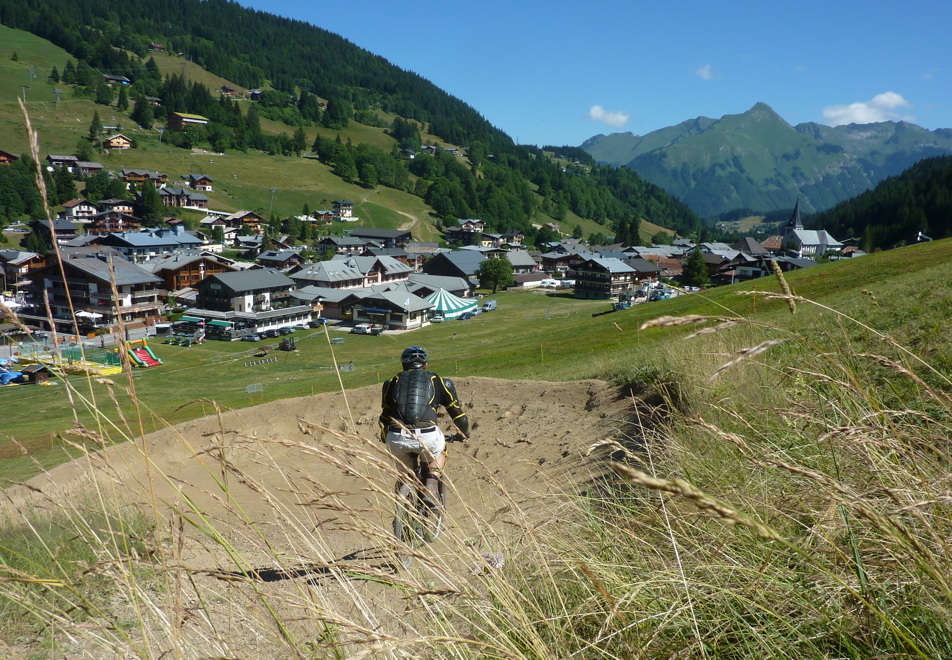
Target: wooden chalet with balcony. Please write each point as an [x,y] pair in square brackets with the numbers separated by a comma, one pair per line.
[117,142]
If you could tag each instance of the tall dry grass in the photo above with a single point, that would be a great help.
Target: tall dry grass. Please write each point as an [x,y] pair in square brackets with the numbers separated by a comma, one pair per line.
[779,489]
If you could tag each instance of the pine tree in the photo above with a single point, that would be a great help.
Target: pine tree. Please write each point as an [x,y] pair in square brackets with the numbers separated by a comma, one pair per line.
[69,73]
[123,103]
[299,141]
[695,269]
[142,112]
[95,128]
[54,75]
[15,57]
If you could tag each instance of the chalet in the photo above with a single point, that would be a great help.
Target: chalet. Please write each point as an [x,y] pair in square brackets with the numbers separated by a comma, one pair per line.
[751,246]
[488,240]
[344,210]
[564,259]
[522,261]
[234,304]
[254,94]
[139,177]
[183,270]
[182,198]
[6,157]
[603,279]
[645,271]
[57,160]
[108,222]
[79,208]
[227,91]
[471,226]
[200,182]
[248,221]
[324,216]
[177,121]
[280,259]
[91,281]
[88,167]
[396,309]
[115,80]
[157,47]
[117,205]
[15,269]
[117,141]
[64,229]
[387,238]
[249,244]
[514,237]
[458,263]
[346,245]
[351,272]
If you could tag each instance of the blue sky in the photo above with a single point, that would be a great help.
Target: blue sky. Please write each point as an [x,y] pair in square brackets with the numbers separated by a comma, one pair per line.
[559,72]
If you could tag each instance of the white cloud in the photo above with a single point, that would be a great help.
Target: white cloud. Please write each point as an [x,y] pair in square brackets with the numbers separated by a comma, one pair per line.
[882,107]
[614,119]
[706,72]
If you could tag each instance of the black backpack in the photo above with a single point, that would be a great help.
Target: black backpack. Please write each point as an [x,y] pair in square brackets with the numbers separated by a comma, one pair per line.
[413,395]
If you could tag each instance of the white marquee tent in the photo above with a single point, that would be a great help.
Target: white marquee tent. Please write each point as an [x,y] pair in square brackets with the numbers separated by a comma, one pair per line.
[448,305]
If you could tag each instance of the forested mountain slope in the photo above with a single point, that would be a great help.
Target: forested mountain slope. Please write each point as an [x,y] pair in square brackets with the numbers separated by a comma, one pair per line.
[896,210]
[300,67]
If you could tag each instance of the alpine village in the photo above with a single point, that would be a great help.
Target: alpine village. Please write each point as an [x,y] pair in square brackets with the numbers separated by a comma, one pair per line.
[711,400]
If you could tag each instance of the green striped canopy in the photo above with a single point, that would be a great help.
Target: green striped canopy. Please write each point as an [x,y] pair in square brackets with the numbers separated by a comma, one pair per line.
[448,305]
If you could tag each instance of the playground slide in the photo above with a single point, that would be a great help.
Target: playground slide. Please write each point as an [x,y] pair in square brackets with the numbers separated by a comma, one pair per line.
[144,357]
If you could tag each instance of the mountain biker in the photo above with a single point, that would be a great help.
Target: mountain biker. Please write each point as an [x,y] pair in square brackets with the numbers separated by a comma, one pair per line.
[408,425]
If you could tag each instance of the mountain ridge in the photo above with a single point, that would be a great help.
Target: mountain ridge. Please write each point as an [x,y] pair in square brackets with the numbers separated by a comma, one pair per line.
[757,160]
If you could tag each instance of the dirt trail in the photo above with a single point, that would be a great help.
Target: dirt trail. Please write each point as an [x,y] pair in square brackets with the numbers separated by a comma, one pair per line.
[311,477]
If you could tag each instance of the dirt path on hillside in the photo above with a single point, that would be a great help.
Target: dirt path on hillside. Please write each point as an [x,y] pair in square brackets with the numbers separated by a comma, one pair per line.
[295,493]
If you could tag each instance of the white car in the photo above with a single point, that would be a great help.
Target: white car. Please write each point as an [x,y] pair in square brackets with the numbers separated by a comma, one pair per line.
[361,329]
[437,318]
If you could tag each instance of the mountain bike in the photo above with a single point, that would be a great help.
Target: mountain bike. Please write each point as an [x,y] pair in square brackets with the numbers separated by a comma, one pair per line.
[415,521]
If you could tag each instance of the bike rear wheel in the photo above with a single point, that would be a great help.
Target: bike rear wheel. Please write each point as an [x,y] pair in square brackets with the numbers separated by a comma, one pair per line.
[416,523]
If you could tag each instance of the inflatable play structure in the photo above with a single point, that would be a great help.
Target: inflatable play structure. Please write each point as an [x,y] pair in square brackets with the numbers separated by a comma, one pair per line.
[142,356]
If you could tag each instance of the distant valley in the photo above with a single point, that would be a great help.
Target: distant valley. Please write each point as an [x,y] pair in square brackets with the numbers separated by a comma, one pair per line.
[757,161]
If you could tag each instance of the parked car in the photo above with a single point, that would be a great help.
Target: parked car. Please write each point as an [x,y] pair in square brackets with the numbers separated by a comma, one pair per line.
[437,318]
[300,326]
[270,333]
[476,311]
[465,316]
[285,331]
[361,329]
[318,322]
[489,305]
[251,337]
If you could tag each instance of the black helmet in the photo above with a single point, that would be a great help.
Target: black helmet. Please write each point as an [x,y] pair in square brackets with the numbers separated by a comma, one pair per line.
[414,357]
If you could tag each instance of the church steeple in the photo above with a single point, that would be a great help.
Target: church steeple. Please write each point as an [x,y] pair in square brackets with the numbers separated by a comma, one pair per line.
[794,221]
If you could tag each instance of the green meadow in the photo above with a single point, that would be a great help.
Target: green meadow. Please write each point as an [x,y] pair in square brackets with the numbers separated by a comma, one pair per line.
[532,335]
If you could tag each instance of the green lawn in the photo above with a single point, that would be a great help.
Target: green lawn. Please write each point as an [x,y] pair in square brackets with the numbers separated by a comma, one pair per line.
[532,335]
